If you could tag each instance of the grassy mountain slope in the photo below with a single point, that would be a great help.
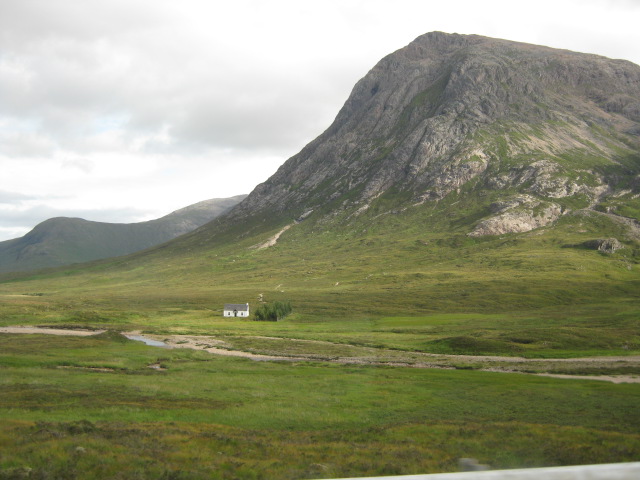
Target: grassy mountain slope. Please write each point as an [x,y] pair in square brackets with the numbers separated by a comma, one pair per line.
[62,241]
[390,266]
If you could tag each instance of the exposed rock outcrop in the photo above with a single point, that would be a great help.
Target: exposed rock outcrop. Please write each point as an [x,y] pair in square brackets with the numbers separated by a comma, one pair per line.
[520,214]
[605,245]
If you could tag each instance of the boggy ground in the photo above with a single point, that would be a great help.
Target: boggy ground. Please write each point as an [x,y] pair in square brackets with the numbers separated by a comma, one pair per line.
[102,406]
[271,348]
[534,301]
[263,348]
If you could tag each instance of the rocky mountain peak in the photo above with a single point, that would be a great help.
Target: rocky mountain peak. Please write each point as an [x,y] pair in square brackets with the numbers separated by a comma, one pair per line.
[450,109]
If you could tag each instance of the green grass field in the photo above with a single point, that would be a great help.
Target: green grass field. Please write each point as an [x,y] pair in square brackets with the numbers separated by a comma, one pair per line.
[92,408]
[387,288]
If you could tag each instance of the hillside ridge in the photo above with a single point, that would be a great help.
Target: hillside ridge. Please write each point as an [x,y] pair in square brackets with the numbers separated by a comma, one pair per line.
[63,240]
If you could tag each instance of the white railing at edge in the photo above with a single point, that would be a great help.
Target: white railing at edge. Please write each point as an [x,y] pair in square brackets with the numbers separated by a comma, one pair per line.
[608,471]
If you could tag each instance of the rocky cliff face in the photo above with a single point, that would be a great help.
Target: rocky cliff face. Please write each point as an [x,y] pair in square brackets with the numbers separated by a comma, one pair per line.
[552,129]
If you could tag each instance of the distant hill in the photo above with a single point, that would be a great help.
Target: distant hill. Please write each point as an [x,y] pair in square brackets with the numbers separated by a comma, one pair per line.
[62,240]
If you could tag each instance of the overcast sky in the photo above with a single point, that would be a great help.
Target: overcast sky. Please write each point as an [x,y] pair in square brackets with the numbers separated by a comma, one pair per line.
[125,110]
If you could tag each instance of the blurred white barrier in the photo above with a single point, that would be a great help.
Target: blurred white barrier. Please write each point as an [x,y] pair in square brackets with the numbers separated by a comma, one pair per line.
[608,471]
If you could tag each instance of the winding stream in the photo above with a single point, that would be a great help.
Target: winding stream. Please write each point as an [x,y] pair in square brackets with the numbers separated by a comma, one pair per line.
[147,341]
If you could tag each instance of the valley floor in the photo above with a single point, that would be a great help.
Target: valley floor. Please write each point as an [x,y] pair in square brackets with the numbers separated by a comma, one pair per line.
[104,407]
[275,350]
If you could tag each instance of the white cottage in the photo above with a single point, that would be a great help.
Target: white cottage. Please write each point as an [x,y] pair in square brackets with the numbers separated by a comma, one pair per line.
[236,310]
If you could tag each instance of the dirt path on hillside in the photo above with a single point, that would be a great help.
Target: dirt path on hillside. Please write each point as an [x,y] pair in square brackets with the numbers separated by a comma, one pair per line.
[273,240]
[418,359]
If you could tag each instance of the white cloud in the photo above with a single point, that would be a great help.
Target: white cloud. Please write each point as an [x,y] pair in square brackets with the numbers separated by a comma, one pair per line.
[140,107]
[81,164]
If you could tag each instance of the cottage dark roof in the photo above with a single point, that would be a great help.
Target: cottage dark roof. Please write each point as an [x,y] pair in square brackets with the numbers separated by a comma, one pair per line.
[240,307]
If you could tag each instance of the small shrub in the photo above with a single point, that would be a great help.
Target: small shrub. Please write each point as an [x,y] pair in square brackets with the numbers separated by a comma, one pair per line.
[272,312]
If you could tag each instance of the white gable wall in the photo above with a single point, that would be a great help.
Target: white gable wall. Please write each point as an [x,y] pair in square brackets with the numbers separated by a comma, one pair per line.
[230,313]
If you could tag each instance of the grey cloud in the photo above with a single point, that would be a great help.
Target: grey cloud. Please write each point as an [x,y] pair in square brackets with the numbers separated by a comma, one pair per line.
[66,66]
[58,94]
[25,144]
[27,20]
[13,198]
[32,216]
[83,66]
[274,124]
[271,110]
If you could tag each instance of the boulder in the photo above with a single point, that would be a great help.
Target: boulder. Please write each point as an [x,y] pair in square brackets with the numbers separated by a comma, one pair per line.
[605,245]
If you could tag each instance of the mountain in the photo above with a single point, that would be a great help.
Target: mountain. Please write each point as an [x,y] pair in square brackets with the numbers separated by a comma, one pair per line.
[62,240]
[464,174]
[531,133]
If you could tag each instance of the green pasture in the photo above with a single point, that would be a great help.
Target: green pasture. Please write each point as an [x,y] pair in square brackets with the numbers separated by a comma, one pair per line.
[91,407]
[598,328]
[525,295]
[384,287]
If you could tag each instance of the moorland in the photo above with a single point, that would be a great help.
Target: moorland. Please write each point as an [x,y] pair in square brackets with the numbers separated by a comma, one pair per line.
[107,407]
